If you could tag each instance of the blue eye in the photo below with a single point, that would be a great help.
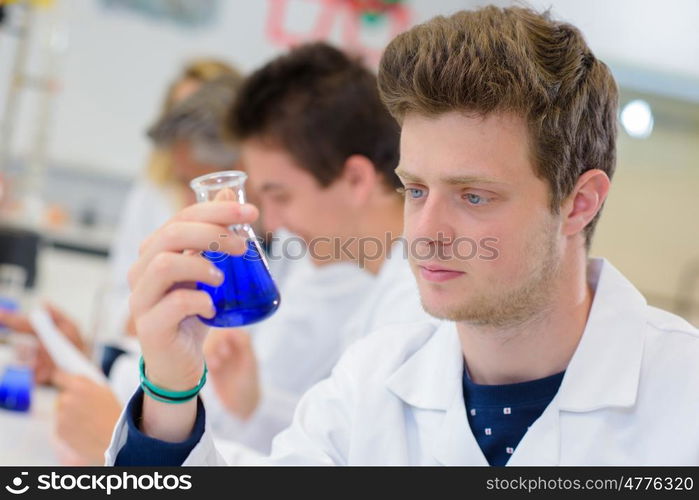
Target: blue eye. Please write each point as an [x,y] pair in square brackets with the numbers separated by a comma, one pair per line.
[475,199]
[414,192]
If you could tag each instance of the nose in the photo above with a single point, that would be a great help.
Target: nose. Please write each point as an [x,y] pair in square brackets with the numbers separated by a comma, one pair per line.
[271,219]
[430,225]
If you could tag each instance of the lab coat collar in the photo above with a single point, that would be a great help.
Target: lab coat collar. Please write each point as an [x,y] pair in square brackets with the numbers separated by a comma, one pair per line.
[606,366]
[429,378]
[430,381]
[604,371]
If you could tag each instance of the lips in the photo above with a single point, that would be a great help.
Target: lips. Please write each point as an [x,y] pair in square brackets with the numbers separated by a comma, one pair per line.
[438,274]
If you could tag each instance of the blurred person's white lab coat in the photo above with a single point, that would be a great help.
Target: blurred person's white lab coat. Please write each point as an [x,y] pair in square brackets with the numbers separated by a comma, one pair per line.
[628,397]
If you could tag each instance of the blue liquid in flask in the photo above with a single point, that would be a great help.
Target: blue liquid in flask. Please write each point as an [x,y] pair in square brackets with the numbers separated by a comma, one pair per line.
[248,293]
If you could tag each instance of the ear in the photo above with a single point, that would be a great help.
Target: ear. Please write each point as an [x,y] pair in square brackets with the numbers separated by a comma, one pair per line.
[585,201]
[360,176]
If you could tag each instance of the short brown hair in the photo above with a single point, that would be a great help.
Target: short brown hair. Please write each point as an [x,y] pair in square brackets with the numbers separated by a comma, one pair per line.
[512,60]
[321,106]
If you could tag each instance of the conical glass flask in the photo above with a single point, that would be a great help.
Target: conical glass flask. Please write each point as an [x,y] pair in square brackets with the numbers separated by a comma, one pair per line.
[248,293]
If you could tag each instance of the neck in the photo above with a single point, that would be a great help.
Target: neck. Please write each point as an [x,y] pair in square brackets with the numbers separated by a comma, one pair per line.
[538,347]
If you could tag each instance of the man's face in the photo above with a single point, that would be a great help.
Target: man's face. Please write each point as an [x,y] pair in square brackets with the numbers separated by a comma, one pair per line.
[484,242]
[187,165]
[290,197]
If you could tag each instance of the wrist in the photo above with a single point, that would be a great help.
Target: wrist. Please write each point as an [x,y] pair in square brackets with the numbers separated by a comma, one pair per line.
[165,395]
[168,422]
[175,382]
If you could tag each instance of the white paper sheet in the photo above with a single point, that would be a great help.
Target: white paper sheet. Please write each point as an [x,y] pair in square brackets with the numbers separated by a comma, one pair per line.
[66,356]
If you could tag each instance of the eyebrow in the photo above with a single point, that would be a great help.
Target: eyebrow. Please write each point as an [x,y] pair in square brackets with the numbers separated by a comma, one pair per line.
[452,180]
[270,186]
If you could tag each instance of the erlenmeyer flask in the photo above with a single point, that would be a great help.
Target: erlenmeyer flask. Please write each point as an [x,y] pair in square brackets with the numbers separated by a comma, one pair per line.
[248,293]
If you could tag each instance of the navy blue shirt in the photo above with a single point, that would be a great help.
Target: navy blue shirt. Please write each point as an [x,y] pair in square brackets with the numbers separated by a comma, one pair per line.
[143,450]
[500,415]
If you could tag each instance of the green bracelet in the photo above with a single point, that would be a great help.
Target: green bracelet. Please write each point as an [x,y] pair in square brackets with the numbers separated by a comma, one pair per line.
[164,395]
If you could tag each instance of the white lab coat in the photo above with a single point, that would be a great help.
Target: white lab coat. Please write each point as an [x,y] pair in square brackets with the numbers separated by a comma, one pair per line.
[628,397]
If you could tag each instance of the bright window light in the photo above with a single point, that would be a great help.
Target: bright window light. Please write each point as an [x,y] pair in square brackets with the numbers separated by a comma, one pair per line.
[637,119]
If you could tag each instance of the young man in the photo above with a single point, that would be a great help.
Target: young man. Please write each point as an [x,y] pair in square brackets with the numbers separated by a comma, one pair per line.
[548,357]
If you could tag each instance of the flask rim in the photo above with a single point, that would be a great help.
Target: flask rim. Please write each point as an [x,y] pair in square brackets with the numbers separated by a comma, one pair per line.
[219,180]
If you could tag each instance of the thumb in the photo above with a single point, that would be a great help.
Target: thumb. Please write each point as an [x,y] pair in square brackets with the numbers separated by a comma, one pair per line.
[226,194]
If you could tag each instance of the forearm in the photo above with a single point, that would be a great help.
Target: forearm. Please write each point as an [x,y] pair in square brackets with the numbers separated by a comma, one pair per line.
[169,421]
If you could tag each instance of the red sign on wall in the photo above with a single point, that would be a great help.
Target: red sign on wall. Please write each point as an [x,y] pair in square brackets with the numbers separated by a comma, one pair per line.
[350,16]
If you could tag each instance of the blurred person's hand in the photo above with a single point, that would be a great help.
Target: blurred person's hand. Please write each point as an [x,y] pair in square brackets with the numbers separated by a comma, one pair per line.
[164,303]
[41,363]
[86,414]
[233,370]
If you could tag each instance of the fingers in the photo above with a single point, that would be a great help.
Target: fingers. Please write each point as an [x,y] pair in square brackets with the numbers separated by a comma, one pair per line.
[166,315]
[184,235]
[43,366]
[219,213]
[15,321]
[165,271]
[65,324]
[62,321]
[179,236]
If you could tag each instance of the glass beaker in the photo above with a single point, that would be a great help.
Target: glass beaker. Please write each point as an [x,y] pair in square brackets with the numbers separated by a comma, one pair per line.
[248,293]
